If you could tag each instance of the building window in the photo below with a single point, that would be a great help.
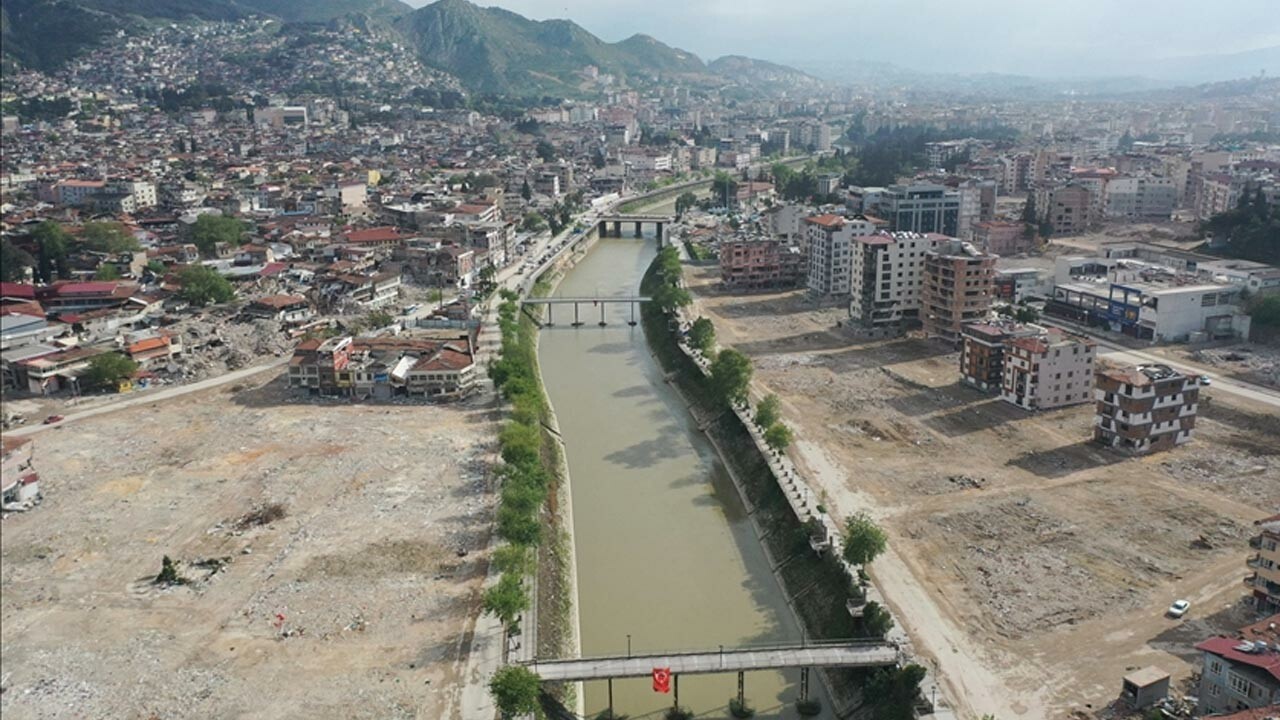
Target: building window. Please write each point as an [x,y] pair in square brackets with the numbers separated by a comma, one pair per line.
[1238,684]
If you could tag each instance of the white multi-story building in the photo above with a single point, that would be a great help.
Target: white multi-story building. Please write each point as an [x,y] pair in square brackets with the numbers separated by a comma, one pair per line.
[1141,197]
[1049,370]
[829,239]
[887,276]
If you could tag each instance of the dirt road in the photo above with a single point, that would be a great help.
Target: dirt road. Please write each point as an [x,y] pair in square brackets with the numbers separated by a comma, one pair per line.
[1032,565]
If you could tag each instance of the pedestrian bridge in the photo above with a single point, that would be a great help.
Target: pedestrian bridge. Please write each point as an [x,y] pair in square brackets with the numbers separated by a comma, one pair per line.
[618,220]
[576,302]
[857,654]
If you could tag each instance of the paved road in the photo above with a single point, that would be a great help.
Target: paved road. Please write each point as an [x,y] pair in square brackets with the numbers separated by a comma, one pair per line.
[142,397]
[1120,354]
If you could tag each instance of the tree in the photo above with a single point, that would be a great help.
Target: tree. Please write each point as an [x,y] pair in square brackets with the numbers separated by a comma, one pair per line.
[730,375]
[105,371]
[156,267]
[876,620]
[533,222]
[209,230]
[724,189]
[507,599]
[515,691]
[107,271]
[203,285]
[702,335]
[767,411]
[1264,310]
[669,297]
[14,261]
[526,192]
[863,539]
[108,237]
[778,436]
[685,201]
[893,692]
[52,242]
[546,151]
[1026,314]
[515,559]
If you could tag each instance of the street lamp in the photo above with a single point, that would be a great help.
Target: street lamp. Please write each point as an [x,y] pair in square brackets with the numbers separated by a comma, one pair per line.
[628,644]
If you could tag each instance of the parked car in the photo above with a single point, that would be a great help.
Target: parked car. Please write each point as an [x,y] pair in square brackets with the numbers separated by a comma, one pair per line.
[53,419]
[1178,608]
[1205,381]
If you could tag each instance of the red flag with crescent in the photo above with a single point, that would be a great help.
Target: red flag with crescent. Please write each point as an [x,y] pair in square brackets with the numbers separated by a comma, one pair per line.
[662,680]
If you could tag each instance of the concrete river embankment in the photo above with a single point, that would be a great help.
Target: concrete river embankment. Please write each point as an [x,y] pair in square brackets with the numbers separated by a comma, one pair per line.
[666,557]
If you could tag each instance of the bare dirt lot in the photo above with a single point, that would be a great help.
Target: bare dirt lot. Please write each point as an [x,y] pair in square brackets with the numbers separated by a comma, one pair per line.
[1052,559]
[320,541]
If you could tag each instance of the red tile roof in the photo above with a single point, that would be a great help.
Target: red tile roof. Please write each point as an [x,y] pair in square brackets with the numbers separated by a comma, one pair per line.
[1225,647]
[374,235]
[827,221]
[17,290]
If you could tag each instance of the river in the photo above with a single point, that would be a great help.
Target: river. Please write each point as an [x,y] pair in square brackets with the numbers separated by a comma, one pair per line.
[666,557]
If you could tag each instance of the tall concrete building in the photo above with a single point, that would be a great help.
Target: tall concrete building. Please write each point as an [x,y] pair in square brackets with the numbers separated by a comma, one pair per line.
[1145,409]
[1147,197]
[829,244]
[1049,370]
[922,208]
[959,283]
[1066,208]
[887,277]
[1264,582]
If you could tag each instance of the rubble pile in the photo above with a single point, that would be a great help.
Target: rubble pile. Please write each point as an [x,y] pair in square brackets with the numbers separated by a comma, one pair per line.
[1254,363]
[212,348]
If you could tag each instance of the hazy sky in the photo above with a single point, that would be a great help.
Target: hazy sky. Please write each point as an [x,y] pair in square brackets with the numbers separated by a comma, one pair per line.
[1033,37]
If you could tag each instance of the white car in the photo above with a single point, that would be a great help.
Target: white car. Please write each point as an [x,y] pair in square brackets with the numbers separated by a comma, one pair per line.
[1205,381]
[1178,608]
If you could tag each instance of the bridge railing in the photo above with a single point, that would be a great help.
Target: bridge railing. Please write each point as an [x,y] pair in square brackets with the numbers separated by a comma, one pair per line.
[750,647]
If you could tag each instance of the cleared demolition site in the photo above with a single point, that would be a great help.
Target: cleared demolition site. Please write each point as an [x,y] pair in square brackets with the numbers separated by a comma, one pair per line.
[1049,559]
[323,559]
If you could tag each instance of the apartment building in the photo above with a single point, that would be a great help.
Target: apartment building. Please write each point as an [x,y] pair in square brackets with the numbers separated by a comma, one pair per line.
[1241,672]
[1264,581]
[1139,198]
[1000,237]
[383,367]
[1144,409]
[830,250]
[958,287]
[1066,209]
[760,263]
[1048,370]
[886,280]
[983,351]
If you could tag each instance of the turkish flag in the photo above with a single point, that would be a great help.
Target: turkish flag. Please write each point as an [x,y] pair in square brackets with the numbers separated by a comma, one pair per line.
[662,680]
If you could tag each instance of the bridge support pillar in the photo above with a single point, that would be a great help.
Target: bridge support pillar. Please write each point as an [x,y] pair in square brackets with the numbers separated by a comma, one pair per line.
[576,322]
[639,229]
[741,688]
[551,321]
[602,306]
[804,684]
[675,680]
[632,322]
[610,697]
[617,228]
[661,238]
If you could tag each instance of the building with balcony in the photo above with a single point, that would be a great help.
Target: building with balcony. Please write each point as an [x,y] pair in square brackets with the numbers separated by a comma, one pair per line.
[958,288]
[830,247]
[887,277]
[1048,370]
[983,351]
[1144,409]
[384,367]
[1241,672]
[760,263]
[1264,580]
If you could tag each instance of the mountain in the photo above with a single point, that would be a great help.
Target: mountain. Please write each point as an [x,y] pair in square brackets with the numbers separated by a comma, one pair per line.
[45,34]
[324,10]
[761,73]
[1212,68]
[495,50]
